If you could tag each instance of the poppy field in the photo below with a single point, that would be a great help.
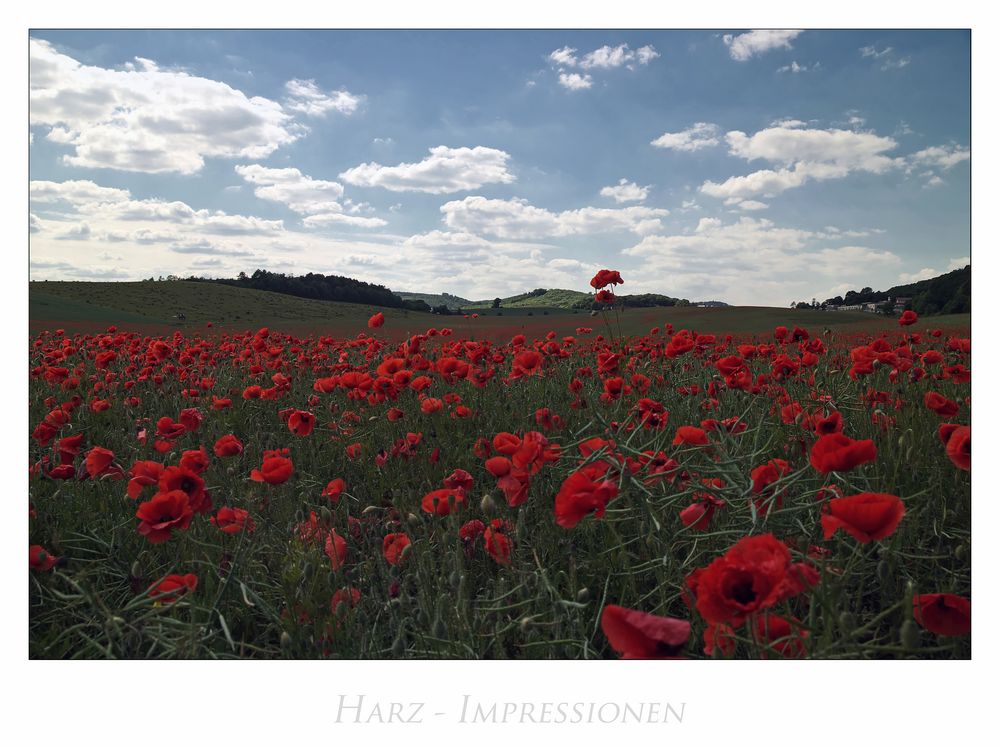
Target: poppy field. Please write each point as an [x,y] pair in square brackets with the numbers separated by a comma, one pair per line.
[802,492]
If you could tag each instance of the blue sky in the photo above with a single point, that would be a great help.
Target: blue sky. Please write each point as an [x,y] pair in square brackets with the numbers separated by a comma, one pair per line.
[751,166]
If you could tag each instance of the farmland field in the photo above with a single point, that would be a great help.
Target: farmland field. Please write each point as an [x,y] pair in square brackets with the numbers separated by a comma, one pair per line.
[277,477]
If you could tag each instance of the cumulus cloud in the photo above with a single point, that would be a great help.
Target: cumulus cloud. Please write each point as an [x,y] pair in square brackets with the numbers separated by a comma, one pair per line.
[327,219]
[444,170]
[575,81]
[517,219]
[306,97]
[143,118]
[605,57]
[941,156]
[699,135]
[290,187]
[757,42]
[804,154]
[751,260]
[74,192]
[626,191]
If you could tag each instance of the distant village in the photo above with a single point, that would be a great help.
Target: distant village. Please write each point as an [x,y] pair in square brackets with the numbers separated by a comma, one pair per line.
[892,306]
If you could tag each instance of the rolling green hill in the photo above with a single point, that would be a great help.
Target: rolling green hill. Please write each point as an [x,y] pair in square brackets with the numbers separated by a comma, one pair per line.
[200,302]
[436,299]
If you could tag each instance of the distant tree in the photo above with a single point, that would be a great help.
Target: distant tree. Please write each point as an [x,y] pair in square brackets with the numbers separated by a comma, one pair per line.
[803,305]
[683,303]
[497,302]
[888,308]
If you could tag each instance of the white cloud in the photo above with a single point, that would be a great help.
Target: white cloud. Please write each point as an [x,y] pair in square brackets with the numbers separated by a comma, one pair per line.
[306,97]
[941,156]
[889,61]
[754,43]
[291,187]
[517,219]
[934,181]
[604,58]
[575,81]
[626,191]
[795,67]
[806,154]
[142,118]
[565,57]
[699,135]
[324,220]
[750,261]
[74,192]
[34,224]
[445,170]
[924,274]
[958,263]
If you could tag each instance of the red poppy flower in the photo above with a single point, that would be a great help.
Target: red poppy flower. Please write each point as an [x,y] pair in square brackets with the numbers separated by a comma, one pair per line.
[274,470]
[908,318]
[442,502]
[39,559]
[301,423]
[959,448]
[749,577]
[162,514]
[376,321]
[336,549]
[636,634]
[498,544]
[605,277]
[868,516]
[459,479]
[232,520]
[196,461]
[943,613]
[837,452]
[172,587]
[143,474]
[582,494]
[780,635]
[349,596]
[181,478]
[334,489]
[228,445]
[393,546]
[98,460]
[940,405]
[688,435]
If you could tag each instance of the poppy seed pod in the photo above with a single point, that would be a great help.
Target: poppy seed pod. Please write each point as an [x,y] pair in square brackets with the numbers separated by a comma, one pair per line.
[909,634]
[583,595]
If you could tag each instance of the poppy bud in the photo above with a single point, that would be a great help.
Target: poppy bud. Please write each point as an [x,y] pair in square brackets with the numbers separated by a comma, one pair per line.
[962,552]
[325,515]
[583,595]
[286,641]
[299,518]
[406,552]
[398,646]
[526,622]
[884,571]
[909,634]
[370,509]
[414,520]
[307,571]
[439,629]
[487,504]
[453,579]
[136,570]
[848,622]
